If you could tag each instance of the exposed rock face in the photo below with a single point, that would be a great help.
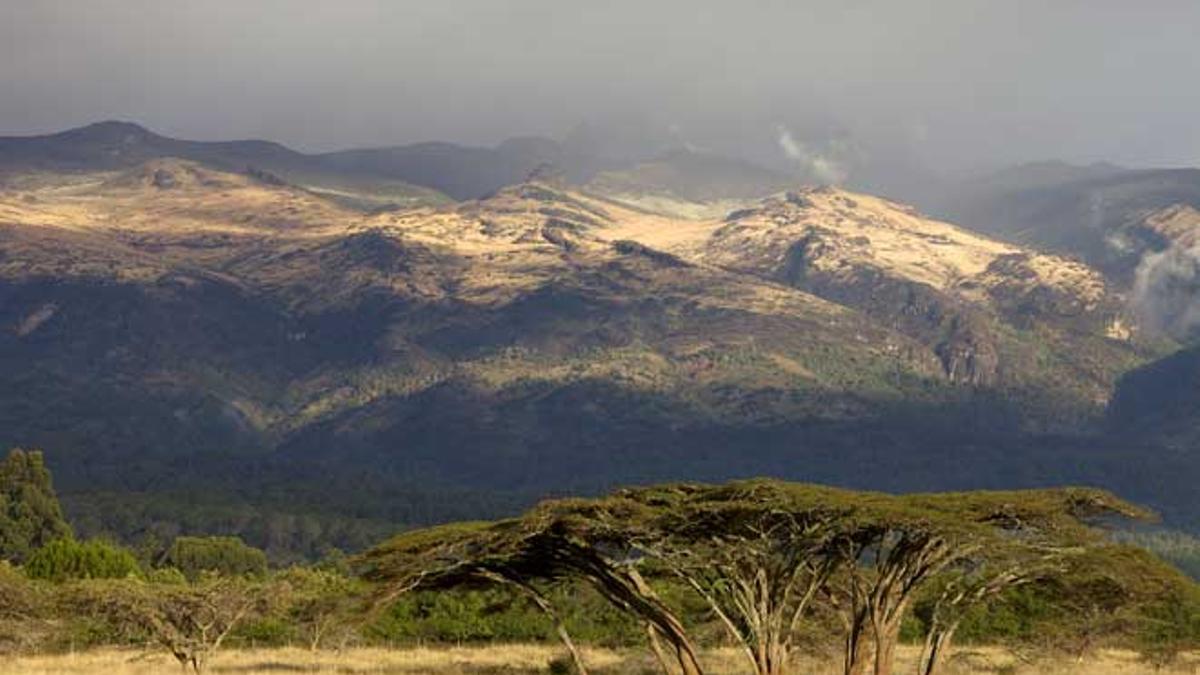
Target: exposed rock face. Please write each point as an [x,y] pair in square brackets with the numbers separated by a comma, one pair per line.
[948,288]
[968,352]
[957,331]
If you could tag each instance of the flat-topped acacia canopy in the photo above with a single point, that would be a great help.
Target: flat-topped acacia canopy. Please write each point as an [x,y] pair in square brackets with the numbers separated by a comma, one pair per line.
[758,551]
[613,523]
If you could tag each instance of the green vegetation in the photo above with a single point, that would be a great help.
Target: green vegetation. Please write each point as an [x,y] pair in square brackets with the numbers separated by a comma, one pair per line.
[1178,548]
[65,559]
[30,515]
[779,569]
[227,556]
[769,559]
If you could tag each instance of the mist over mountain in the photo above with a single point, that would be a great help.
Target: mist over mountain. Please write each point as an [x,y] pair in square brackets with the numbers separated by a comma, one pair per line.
[894,96]
[1138,226]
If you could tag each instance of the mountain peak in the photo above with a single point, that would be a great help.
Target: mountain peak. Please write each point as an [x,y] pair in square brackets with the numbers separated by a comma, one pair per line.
[109,130]
[164,173]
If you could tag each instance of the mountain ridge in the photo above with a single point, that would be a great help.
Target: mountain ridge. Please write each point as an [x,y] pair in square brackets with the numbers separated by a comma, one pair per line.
[170,320]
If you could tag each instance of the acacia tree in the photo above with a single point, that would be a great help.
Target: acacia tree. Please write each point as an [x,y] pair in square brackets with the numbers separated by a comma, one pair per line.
[458,555]
[758,552]
[559,540]
[758,583]
[190,621]
[966,588]
[321,602]
[754,558]
[1025,536]
[886,563]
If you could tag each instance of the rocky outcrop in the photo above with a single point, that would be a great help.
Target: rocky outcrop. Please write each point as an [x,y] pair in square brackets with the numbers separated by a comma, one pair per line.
[957,332]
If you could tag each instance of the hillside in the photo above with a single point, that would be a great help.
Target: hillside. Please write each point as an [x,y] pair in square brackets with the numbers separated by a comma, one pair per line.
[404,176]
[688,184]
[112,146]
[986,310]
[1158,402]
[169,324]
[1111,217]
[462,172]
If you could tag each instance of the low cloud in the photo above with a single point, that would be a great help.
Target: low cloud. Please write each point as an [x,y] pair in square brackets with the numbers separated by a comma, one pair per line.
[1166,291]
[829,167]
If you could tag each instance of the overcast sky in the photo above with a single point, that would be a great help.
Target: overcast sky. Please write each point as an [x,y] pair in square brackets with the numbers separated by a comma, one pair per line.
[951,83]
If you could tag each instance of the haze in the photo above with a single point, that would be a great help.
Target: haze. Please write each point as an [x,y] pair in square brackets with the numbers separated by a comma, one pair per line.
[863,86]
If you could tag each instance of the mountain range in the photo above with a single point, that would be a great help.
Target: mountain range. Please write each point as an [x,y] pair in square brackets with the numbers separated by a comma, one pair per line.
[406,335]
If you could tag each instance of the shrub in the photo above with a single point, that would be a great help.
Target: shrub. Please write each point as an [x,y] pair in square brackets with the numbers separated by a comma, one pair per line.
[168,576]
[227,556]
[1169,627]
[70,559]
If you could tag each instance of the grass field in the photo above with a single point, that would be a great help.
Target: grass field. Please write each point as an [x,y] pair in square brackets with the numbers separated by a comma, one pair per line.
[514,659]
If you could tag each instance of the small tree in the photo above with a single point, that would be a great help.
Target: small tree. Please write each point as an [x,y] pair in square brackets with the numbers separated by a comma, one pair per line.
[190,621]
[321,602]
[973,583]
[1020,538]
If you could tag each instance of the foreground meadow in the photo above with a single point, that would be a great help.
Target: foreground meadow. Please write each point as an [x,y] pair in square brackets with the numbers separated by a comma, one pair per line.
[521,659]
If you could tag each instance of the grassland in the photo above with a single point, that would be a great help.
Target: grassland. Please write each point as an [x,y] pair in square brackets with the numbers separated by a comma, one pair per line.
[514,659]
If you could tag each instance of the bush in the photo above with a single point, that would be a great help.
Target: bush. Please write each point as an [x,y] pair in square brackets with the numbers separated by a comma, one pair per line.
[226,556]
[168,576]
[1169,627]
[462,616]
[19,598]
[498,613]
[69,559]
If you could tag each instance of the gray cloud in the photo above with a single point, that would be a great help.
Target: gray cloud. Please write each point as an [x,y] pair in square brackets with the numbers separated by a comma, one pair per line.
[1166,292]
[937,83]
[830,167]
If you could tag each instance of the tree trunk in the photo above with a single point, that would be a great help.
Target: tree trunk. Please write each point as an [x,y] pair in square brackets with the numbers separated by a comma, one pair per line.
[774,659]
[887,635]
[561,629]
[543,604]
[687,657]
[853,659]
[315,642]
[937,647]
[885,649]
[664,661]
[671,628]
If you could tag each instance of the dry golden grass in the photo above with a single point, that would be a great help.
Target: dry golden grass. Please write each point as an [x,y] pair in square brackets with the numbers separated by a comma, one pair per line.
[514,659]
